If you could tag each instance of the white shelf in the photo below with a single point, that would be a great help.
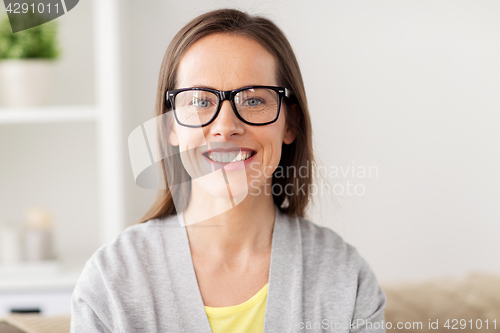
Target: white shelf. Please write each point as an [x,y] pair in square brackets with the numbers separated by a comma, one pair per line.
[37,277]
[48,114]
[65,281]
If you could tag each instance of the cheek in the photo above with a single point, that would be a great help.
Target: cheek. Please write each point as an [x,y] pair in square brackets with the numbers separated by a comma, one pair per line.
[272,142]
[190,138]
[278,131]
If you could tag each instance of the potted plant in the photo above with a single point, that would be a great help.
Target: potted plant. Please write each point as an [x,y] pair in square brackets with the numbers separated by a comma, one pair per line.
[26,63]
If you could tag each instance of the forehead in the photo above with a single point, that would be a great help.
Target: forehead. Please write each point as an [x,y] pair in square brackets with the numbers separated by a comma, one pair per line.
[226,61]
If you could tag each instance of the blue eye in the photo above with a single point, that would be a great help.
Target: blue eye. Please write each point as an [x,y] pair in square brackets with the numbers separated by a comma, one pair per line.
[201,103]
[253,102]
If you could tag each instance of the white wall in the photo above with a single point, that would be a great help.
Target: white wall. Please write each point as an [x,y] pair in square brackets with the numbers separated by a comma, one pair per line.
[410,88]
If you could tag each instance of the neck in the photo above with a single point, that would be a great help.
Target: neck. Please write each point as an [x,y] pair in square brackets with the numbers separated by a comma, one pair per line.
[245,228]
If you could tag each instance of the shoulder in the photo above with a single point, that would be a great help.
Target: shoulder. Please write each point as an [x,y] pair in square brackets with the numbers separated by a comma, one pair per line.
[323,243]
[334,263]
[143,237]
[130,251]
[122,274]
[326,253]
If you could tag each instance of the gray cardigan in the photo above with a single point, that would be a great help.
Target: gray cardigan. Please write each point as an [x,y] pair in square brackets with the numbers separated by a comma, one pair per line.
[144,281]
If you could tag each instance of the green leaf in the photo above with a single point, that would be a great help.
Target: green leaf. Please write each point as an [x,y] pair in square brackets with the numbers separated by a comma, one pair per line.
[36,42]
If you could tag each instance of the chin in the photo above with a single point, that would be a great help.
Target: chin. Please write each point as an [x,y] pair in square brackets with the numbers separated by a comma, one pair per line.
[214,186]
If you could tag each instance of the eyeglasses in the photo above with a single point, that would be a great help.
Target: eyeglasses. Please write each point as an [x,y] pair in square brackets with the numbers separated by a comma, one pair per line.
[255,105]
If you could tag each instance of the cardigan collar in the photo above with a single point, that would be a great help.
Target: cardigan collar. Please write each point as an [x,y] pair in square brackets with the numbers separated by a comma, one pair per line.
[285,277]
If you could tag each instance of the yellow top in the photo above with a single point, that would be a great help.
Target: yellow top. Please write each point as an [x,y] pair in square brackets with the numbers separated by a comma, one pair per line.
[247,317]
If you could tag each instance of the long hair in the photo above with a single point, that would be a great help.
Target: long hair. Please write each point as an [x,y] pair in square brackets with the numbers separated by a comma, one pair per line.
[295,156]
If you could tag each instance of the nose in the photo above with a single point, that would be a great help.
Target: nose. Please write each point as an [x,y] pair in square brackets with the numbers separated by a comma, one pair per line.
[227,123]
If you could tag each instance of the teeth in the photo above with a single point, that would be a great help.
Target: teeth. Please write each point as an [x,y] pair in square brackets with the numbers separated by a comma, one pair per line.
[230,157]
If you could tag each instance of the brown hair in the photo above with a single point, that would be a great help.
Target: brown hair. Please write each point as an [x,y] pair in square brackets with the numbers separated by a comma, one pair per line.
[295,155]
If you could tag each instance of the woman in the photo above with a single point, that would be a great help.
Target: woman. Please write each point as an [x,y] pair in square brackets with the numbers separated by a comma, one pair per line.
[226,248]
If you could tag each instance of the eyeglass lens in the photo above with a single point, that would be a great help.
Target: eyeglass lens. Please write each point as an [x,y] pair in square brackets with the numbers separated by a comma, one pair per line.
[255,105]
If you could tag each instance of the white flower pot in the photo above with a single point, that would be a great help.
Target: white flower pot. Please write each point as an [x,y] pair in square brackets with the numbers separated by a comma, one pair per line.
[25,82]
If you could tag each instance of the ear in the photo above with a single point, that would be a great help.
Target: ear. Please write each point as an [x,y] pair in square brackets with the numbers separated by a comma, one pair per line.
[290,131]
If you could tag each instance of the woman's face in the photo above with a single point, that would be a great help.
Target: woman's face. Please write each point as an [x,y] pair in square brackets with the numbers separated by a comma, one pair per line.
[225,62]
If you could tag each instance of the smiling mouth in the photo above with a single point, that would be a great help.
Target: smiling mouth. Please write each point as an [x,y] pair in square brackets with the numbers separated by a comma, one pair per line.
[222,157]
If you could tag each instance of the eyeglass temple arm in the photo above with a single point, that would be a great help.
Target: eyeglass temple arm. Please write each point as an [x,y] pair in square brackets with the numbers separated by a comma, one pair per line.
[289,94]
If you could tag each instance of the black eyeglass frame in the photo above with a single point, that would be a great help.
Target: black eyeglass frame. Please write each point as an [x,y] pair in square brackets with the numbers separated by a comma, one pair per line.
[228,95]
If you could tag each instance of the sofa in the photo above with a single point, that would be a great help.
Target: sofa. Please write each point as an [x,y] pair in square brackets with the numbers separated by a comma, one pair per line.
[467,304]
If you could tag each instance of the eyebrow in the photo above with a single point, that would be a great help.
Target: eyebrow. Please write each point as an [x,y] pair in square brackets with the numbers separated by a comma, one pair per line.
[201,86]
[209,87]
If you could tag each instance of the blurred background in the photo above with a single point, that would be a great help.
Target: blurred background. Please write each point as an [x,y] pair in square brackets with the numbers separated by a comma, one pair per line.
[406,91]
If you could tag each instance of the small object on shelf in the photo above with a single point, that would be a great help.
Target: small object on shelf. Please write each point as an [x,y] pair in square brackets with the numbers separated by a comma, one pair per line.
[25,310]
[10,245]
[38,235]
[25,82]
[26,64]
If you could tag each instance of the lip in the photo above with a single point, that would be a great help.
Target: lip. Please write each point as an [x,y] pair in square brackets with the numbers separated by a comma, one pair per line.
[231,166]
[228,150]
